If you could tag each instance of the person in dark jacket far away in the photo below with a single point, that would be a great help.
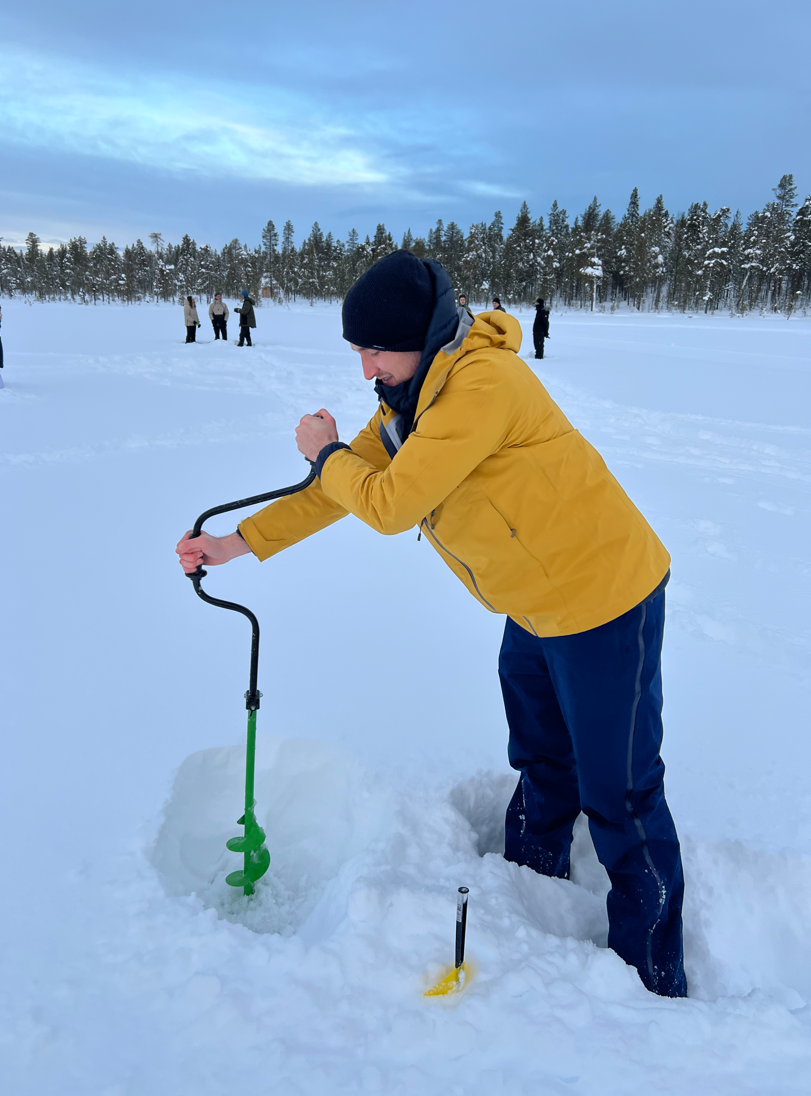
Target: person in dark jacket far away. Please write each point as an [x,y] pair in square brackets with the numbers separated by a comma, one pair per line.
[467,444]
[463,305]
[1,348]
[191,319]
[247,319]
[540,327]
[497,305]
[218,314]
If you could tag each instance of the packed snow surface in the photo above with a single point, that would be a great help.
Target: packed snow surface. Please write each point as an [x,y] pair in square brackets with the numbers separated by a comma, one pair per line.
[131,969]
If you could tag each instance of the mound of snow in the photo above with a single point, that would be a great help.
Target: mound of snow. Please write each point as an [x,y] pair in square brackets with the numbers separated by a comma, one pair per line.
[316,803]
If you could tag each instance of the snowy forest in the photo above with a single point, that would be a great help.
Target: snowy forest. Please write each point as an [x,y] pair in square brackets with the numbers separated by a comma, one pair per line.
[698,260]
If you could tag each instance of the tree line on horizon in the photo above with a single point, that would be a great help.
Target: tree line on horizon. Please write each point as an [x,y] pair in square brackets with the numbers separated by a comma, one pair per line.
[698,260]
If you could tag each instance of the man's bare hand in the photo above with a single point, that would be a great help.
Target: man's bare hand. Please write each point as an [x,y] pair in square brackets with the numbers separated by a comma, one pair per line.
[314,432]
[209,551]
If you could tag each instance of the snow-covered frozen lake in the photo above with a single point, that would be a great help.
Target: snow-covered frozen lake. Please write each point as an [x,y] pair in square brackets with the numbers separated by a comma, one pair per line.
[127,968]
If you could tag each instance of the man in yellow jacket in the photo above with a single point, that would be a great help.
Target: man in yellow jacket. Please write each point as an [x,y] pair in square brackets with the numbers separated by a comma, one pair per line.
[468,445]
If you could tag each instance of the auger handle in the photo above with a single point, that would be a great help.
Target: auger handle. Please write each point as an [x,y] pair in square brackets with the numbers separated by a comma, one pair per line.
[252,696]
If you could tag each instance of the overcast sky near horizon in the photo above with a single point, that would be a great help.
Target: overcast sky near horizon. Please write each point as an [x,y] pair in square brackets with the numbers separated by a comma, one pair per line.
[212,118]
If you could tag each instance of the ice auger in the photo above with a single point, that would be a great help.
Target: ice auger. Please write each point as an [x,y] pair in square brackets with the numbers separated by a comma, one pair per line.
[256,858]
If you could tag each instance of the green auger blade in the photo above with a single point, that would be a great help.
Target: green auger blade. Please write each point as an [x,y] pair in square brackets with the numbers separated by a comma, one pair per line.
[250,840]
[258,864]
[251,844]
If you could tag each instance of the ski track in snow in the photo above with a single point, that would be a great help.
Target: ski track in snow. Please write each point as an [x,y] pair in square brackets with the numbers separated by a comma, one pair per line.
[146,974]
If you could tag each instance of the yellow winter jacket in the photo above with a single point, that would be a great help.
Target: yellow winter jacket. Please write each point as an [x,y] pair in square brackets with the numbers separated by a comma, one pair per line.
[518,504]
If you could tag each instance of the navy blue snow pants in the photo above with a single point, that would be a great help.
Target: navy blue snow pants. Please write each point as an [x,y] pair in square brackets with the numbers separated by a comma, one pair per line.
[585,718]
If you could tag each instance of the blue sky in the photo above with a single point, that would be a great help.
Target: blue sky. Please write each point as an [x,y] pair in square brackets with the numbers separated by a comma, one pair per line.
[212,118]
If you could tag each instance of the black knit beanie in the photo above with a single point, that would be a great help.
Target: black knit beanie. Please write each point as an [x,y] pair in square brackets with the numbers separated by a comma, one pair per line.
[390,306]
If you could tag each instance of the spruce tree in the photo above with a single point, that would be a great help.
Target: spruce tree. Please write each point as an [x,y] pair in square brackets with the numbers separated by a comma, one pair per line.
[288,262]
[559,231]
[453,249]
[519,263]
[800,256]
[494,241]
[270,255]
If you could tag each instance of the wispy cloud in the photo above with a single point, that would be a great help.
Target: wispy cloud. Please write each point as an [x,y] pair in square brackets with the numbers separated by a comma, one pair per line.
[183,126]
[492,190]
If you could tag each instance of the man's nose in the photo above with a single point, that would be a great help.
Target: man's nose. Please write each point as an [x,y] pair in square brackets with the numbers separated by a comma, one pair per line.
[370,370]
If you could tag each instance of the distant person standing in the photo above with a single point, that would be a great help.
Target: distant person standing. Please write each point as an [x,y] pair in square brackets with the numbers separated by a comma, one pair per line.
[540,327]
[191,319]
[247,319]
[218,314]
[1,347]
[463,304]
[497,305]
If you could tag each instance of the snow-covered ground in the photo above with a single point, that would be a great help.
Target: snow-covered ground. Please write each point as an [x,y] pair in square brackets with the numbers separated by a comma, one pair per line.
[130,969]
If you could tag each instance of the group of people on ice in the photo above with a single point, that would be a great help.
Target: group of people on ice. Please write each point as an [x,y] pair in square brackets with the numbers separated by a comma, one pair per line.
[540,326]
[218,314]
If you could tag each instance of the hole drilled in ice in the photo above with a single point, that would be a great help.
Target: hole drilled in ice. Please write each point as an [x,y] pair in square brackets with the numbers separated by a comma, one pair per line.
[316,804]
[483,801]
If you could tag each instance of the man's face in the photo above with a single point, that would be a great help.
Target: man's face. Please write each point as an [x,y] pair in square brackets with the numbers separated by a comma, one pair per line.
[463,300]
[390,367]
[217,296]
[495,304]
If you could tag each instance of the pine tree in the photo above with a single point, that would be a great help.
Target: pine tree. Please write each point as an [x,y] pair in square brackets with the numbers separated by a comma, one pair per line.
[453,250]
[288,262]
[382,244]
[587,267]
[778,240]
[630,279]
[32,242]
[77,265]
[559,232]
[520,268]
[800,257]
[436,241]
[474,262]
[420,248]
[270,253]
[716,259]
[311,258]
[187,266]
[753,261]
[494,249]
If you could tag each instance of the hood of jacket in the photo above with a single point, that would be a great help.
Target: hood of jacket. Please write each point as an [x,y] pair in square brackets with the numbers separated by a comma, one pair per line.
[473,336]
[487,331]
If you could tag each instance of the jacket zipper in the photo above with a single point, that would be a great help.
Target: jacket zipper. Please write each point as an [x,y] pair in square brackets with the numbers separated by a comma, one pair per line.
[414,426]
[461,563]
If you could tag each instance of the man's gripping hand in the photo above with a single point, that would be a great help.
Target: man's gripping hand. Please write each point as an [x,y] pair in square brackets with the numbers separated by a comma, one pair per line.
[314,432]
[209,551]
